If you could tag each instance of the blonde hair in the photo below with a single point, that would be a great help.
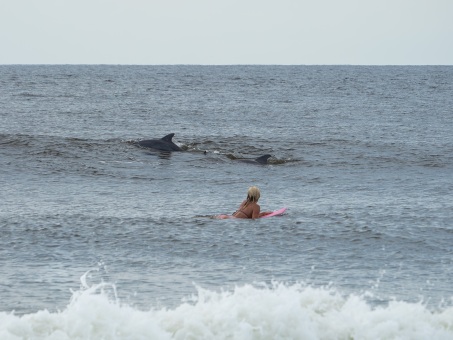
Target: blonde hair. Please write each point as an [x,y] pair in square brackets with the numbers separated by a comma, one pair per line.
[253,194]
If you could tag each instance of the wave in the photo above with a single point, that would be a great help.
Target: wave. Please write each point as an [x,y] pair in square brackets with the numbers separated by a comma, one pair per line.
[256,311]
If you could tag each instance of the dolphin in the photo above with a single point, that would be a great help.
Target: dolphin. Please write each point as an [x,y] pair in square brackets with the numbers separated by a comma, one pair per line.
[163,144]
[260,160]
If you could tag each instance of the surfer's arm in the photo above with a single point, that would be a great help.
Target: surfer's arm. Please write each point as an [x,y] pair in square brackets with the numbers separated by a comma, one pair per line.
[264,213]
[256,212]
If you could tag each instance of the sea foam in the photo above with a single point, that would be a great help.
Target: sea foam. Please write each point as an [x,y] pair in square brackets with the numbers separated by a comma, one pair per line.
[278,311]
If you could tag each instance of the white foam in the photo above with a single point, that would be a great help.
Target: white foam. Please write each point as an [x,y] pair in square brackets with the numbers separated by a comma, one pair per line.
[247,312]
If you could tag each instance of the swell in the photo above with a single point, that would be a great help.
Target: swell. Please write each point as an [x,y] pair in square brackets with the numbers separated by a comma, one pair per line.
[47,155]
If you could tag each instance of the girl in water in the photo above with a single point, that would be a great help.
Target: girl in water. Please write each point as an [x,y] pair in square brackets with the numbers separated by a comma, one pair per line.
[249,208]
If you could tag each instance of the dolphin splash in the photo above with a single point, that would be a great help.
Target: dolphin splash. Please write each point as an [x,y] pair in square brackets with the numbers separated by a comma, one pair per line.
[260,160]
[166,144]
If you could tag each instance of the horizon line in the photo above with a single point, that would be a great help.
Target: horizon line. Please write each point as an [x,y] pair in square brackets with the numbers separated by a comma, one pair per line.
[193,64]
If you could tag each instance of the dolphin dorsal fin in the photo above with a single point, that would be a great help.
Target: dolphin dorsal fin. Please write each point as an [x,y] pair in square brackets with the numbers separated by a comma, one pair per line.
[263,159]
[168,138]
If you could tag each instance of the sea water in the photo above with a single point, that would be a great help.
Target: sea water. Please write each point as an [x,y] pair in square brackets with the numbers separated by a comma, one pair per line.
[103,239]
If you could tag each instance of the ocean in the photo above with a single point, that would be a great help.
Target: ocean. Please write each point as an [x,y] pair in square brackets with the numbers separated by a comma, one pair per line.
[103,239]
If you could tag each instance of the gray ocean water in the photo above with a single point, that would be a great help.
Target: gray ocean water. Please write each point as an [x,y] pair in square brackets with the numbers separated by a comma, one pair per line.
[362,159]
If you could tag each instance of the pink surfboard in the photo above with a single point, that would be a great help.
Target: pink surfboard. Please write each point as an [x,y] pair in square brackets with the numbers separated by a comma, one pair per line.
[276,213]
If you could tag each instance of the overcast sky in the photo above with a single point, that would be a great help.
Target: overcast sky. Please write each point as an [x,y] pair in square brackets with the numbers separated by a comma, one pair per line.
[357,32]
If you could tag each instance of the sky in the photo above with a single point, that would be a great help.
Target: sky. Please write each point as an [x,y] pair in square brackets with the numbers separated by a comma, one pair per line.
[220,32]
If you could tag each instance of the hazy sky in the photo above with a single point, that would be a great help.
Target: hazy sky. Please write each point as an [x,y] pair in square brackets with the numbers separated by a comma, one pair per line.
[371,32]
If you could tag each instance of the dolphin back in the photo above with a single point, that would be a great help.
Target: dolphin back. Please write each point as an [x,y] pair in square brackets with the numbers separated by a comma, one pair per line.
[263,159]
[163,144]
